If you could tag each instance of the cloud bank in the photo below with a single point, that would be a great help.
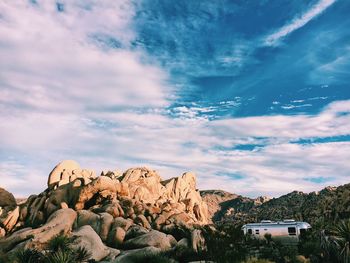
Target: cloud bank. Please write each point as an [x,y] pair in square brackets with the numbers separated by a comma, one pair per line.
[73,85]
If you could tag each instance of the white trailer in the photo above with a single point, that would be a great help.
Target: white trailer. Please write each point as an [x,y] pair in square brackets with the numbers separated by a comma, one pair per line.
[287,231]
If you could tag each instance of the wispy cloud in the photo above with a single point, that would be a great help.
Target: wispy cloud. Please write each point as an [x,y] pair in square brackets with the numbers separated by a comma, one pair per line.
[298,22]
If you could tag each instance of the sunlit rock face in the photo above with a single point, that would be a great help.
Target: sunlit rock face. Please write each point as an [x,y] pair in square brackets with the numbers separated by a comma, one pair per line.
[135,209]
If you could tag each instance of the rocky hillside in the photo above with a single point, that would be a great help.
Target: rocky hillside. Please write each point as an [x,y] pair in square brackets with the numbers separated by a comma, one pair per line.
[116,216]
[318,208]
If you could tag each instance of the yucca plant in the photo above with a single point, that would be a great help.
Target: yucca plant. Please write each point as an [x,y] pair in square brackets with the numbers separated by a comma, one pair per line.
[60,256]
[340,238]
[59,242]
[60,250]
[28,256]
[81,254]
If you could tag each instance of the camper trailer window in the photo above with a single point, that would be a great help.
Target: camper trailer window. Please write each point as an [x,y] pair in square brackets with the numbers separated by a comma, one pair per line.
[250,231]
[292,231]
[257,231]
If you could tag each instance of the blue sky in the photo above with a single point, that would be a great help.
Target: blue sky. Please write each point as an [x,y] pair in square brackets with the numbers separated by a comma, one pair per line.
[253,96]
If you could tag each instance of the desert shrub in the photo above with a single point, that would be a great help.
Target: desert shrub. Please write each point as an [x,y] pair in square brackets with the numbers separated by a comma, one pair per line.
[183,254]
[278,252]
[225,244]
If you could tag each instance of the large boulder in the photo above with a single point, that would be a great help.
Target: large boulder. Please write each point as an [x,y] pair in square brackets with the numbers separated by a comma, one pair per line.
[118,230]
[153,238]
[60,222]
[106,222]
[67,171]
[86,217]
[135,231]
[86,237]
[116,237]
[63,169]
[11,219]
[137,255]
[7,199]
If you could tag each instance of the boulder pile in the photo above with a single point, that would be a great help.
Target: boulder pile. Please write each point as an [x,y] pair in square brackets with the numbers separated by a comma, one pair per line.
[116,214]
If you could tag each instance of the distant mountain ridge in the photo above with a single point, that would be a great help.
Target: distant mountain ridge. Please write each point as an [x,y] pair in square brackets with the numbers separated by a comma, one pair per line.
[318,208]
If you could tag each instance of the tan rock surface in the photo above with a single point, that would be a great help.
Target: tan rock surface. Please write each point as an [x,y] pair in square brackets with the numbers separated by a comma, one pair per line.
[11,219]
[61,172]
[88,238]
[153,238]
[144,184]
[59,222]
[136,255]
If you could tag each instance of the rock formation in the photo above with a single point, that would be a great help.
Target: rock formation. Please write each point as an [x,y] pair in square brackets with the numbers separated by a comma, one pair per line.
[133,212]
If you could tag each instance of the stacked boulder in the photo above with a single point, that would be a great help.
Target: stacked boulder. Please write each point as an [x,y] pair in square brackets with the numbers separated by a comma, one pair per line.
[135,211]
[8,211]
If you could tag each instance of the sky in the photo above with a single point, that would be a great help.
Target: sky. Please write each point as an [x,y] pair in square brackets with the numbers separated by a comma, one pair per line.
[252,96]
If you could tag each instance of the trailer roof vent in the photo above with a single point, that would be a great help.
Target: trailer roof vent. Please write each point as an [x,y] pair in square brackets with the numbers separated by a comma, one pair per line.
[288,220]
[266,221]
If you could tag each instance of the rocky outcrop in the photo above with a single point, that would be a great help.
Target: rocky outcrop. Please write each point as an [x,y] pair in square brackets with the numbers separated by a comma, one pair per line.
[317,208]
[136,211]
[215,200]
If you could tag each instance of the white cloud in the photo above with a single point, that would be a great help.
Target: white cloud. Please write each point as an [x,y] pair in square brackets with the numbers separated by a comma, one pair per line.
[50,54]
[298,22]
[327,123]
[173,146]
